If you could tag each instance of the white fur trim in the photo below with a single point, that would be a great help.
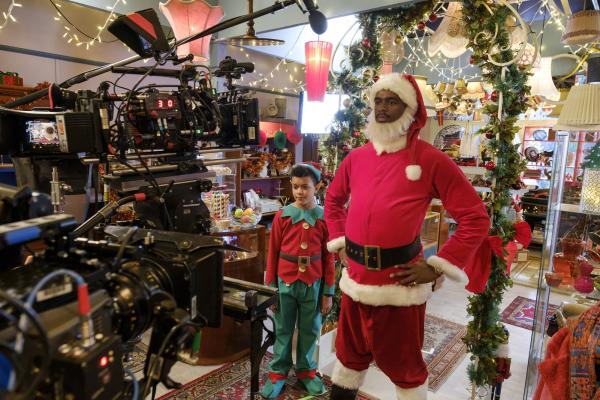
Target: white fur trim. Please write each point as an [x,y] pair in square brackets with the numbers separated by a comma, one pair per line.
[413,172]
[503,351]
[398,84]
[336,245]
[389,136]
[416,393]
[450,270]
[386,295]
[380,148]
[347,378]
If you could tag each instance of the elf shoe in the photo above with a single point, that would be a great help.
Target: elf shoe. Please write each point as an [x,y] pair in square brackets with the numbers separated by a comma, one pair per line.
[311,382]
[273,386]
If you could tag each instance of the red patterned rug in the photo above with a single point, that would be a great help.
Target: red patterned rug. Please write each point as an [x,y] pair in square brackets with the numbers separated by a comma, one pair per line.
[521,312]
[232,382]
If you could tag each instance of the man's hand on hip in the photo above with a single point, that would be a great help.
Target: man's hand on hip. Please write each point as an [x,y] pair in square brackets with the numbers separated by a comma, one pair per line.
[414,273]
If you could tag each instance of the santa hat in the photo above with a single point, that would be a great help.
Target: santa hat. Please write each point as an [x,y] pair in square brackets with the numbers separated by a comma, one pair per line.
[407,90]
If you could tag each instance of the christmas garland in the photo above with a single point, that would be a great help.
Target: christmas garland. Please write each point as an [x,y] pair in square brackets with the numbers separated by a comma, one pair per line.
[485,333]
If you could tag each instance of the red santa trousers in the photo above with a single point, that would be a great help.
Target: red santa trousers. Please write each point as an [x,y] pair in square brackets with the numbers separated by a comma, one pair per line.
[392,336]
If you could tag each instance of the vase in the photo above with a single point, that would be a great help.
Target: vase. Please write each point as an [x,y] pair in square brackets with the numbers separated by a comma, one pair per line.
[583,282]
[565,267]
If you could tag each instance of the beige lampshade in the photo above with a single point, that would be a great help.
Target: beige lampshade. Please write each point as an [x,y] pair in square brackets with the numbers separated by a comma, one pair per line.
[582,27]
[541,81]
[460,86]
[581,111]
[440,87]
[558,108]
[449,92]
[474,91]
[427,99]
[449,38]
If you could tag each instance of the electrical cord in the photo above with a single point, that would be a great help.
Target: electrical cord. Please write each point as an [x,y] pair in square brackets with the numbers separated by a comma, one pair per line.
[33,317]
[135,383]
[126,238]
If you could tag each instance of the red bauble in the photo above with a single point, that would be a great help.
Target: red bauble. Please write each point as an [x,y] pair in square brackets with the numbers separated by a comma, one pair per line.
[421,26]
[433,17]
[494,96]
[472,60]
[490,135]
[490,165]
[375,78]
[356,133]
[346,148]
[366,43]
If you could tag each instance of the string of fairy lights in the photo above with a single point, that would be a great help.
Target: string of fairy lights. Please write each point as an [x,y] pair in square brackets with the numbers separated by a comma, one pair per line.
[8,14]
[86,40]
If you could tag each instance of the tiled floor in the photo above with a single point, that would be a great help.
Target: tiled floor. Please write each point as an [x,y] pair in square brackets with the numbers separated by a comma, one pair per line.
[448,303]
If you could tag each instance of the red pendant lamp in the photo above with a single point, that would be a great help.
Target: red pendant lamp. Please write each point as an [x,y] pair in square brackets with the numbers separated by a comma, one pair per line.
[318,60]
[188,17]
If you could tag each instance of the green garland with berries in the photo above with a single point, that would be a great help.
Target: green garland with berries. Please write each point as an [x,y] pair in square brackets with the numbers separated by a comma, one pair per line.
[485,331]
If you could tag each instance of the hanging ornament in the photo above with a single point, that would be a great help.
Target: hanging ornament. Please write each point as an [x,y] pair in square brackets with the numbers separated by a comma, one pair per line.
[280,139]
[345,148]
[494,96]
[490,135]
[356,134]
[375,78]
[392,47]
[346,102]
[490,165]
[510,23]
[367,74]
[472,60]
[357,53]
[421,26]
[433,17]
[262,138]
[366,112]
[366,43]
[318,61]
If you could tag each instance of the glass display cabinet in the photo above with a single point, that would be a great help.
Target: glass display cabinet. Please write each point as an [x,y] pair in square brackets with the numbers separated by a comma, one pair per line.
[570,261]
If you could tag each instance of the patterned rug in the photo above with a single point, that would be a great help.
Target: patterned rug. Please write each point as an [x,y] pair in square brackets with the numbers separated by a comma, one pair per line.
[232,382]
[521,313]
[443,349]
[137,358]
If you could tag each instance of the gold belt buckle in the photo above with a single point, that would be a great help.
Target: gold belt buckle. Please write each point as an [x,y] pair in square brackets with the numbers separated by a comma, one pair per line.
[303,262]
[367,263]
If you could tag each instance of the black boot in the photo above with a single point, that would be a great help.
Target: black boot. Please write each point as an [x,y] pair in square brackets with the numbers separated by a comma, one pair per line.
[340,393]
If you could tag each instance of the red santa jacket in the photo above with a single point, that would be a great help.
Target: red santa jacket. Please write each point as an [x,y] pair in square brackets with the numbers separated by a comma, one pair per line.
[387,209]
[305,237]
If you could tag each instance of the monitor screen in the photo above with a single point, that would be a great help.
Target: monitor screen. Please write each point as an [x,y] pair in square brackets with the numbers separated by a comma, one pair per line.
[317,116]
[42,132]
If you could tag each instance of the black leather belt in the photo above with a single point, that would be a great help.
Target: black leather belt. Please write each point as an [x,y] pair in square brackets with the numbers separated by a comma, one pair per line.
[300,260]
[376,258]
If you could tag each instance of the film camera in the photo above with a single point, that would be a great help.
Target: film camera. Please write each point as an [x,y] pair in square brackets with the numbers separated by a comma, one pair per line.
[67,311]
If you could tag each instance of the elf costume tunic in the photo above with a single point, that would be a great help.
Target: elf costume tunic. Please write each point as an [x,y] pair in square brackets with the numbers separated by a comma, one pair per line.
[390,188]
[301,267]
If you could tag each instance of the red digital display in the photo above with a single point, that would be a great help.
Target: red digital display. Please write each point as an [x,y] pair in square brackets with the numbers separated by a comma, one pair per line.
[166,103]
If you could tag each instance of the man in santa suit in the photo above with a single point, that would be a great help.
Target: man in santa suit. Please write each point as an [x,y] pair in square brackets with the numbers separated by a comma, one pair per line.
[389,183]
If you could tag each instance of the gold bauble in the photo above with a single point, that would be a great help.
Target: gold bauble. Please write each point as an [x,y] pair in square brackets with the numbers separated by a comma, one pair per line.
[398,40]
[510,23]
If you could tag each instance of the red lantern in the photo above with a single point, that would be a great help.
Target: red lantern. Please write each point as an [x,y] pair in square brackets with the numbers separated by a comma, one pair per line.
[318,60]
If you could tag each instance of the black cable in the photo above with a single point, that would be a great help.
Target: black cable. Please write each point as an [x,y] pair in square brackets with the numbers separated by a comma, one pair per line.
[76,28]
[33,317]
[124,242]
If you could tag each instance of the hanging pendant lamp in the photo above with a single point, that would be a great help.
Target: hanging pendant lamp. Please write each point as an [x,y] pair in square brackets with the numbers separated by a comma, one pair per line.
[188,17]
[318,61]
[250,38]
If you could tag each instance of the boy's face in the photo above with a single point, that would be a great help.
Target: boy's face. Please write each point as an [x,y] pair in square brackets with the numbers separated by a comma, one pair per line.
[303,190]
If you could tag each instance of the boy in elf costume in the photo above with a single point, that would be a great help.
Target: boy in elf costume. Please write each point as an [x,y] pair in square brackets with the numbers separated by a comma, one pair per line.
[300,266]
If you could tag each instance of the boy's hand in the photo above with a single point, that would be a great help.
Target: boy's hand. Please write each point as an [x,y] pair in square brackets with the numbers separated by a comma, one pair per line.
[326,303]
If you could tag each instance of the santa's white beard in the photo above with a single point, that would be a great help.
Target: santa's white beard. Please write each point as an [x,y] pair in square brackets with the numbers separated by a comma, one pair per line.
[389,136]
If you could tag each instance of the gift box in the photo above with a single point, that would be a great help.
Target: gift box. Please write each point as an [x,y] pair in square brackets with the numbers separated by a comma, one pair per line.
[11,78]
